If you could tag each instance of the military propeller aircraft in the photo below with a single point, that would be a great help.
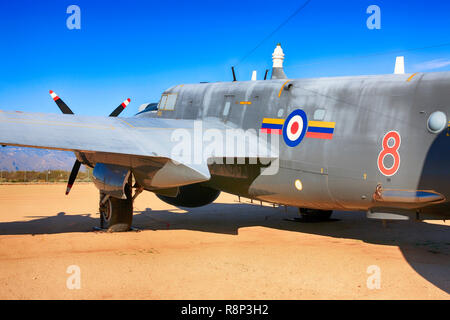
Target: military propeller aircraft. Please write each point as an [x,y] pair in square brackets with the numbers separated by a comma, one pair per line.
[374,143]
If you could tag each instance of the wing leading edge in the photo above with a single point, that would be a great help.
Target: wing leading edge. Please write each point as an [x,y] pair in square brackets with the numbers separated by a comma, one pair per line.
[149,137]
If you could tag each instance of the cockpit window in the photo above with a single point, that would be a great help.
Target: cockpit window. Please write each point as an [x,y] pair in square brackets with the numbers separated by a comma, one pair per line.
[162,102]
[168,101]
[147,107]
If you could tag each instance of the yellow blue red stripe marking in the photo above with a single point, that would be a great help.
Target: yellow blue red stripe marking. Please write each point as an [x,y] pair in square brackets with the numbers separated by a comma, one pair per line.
[272,126]
[320,130]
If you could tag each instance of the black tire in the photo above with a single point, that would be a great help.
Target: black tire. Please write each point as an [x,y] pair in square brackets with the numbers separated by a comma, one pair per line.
[118,213]
[315,215]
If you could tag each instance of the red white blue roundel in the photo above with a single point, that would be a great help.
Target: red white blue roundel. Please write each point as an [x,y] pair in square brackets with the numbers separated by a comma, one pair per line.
[294,128]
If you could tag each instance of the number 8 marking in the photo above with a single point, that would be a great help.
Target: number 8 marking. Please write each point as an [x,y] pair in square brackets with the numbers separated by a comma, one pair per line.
[390,150]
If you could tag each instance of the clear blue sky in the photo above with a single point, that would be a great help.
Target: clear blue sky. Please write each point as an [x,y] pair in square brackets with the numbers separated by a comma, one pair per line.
[137,49]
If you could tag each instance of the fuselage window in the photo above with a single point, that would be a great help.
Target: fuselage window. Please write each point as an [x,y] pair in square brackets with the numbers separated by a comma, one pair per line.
[319,114]
[226,109]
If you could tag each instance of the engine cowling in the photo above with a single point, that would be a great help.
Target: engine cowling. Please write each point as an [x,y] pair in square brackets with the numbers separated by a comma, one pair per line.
[111,179]
[191,196]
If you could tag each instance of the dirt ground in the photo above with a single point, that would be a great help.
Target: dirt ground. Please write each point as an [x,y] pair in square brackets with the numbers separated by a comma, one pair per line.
[227,250]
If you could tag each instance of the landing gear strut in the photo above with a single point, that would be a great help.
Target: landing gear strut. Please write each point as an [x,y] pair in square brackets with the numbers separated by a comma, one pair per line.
[117,214]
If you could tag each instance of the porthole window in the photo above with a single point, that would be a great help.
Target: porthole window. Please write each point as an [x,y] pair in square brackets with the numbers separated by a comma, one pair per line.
[437,122]
[319,114]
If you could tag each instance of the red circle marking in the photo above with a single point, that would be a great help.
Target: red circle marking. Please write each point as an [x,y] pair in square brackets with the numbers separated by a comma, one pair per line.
[294,128]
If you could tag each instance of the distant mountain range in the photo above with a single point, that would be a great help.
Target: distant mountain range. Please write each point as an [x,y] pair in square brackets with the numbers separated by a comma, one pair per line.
[30,159]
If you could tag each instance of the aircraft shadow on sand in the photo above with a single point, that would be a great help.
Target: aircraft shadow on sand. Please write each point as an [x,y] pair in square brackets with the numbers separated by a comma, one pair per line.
[426,247]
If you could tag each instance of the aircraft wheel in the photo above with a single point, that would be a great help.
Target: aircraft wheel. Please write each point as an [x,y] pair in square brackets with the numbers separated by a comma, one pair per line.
[315,215]
[118,213]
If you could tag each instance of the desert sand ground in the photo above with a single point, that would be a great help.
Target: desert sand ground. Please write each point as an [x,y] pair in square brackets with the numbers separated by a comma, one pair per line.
[227,250]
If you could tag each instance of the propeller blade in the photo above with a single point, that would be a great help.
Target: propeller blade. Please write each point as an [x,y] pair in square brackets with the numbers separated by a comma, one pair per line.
[61,104]
[73,176]
[76,166]
[120,108]
[66,110]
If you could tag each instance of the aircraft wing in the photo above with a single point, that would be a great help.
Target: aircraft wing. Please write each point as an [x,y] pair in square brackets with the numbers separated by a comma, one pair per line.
[144,137]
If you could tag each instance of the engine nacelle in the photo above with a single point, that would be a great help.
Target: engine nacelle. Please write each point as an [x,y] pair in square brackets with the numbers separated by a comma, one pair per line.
[191,196]
[111,179]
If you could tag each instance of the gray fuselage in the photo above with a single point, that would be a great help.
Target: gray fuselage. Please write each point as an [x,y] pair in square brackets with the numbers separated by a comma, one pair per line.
[342,172]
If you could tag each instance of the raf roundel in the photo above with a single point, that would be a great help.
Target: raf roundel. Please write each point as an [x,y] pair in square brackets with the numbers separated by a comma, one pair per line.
[294,128]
